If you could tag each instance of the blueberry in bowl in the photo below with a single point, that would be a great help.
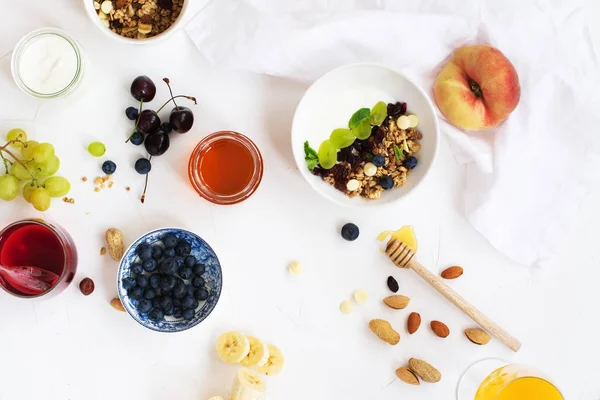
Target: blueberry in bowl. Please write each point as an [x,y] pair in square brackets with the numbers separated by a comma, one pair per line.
[172,289]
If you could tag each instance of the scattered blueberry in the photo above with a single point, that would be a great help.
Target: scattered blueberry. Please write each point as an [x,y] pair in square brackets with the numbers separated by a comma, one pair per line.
[350,232]
[199,269]
[177,313]
[169,266]
[166,128]
[180,290]
[169,311]
[155,281]
[156,314]
[128,283]
[387,182]
[137,268]
[188,314]
[165,303]
[135,293]
[144,251]
[136,138]
[410,162]
[183,249]
[144,305]
[393,284]
[190,261]
[149,293]
[132,113]
[143,166]
[378,160]
[142,281]
[109,167]
[188,301]
[185,273]
[157,252]
[201,294]
[198,282]
[167,283]
[170,252]
[150,265]
[170,241]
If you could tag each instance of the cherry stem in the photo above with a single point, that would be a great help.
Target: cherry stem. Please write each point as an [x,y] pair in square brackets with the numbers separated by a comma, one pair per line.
[176,97]
[137,121]
[168,82]
[143,198]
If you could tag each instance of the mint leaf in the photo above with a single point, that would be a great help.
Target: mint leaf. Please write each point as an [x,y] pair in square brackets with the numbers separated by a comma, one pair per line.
[309,152]
[359,117]
[312,164]
[398,152]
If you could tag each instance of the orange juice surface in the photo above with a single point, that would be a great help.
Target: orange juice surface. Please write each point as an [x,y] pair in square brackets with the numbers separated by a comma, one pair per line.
[505,384]
[405,234]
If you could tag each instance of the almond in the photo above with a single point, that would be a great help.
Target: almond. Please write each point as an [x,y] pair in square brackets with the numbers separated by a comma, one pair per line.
[384,331]
[413,323]
[407,376]
[440,329]
[116,247]
[452,272]
[424,370]
[477,336]
[397,301]
[117,305]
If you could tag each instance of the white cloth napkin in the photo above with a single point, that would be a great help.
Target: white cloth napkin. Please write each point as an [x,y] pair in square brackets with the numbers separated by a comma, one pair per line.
[524,178]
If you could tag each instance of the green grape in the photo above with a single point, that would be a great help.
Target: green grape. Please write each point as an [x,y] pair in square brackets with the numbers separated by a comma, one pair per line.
[28,190]
[20,172]
[342,138]
[327,154]
[57,186]
[40,199]
[16,134]
[48,167]
[27,150]
[378,113]
[97,149]
[9,187]
[42,152]
[363,131]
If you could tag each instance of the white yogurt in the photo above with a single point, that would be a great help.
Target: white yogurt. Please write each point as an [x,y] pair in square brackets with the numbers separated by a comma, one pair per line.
[48,64]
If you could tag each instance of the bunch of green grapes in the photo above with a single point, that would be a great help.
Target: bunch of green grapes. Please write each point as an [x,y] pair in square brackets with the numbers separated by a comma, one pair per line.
[29,167]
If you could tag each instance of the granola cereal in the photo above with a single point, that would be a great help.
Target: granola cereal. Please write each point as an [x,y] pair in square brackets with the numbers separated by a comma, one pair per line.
[138,19]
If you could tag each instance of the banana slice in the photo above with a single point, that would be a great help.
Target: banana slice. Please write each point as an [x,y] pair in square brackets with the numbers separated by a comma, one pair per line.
[232,347]
[248,386]
[274,364]
[258,354]
[216,398]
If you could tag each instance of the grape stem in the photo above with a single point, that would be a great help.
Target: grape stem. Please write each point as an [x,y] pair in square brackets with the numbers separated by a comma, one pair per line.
[143,198]
[137,121]
[10,153]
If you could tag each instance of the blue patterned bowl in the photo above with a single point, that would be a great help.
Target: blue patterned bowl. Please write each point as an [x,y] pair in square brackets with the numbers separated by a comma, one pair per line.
[213,277]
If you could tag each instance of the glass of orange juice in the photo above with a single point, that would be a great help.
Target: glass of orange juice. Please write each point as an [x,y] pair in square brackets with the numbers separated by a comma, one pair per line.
[495,379]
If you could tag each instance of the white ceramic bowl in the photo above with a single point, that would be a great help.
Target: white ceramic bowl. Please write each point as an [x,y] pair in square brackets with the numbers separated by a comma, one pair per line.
[92,13]
[330,102]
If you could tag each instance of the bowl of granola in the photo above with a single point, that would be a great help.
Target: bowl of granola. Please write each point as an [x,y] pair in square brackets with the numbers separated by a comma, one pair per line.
[364,135]
[137,21]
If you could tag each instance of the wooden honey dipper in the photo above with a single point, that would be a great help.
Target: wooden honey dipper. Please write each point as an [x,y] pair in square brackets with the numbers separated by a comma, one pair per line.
[404,257]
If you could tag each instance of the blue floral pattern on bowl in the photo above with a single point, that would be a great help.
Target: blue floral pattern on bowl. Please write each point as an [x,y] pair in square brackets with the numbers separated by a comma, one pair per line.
[213,277]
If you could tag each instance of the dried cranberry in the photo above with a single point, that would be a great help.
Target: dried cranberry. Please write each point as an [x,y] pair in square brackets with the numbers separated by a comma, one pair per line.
[394,109]
[343,154]
[341,186]
[166,4]
[340,173]
[378,135]
[318,171]
[403,108]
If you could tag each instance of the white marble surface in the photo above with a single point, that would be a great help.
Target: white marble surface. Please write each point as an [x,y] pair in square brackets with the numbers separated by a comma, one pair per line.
[72,347]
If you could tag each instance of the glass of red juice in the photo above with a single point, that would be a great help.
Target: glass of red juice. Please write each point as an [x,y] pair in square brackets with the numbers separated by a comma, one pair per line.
[39,244]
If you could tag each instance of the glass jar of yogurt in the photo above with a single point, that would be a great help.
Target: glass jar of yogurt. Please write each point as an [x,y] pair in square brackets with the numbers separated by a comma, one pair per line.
[47,64]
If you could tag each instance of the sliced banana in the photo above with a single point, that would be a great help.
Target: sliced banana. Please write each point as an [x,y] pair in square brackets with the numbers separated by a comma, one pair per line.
[275,362]
[248,386]
[216,398]
[360,296]
[296,267]
[414,121]
[403,122]
[232,347]
[346,307]
[258,354]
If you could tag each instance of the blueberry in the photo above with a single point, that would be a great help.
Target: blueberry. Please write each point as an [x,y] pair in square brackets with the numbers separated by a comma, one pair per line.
[137,268]
[199,269]
[157,252]
[350,232]
[142,281]
[386,182]
[150,265]
[170,241]
[166,128]
[185,273]
[155,281]
[132,113]
[144,251]
[378,160]
[143,166]
[149,293]
[188,301]
[136,138]
[169,311]
[169,266]
[109,167]
[179,291]
[177,312]
[156,314]
[128,283]
[201,294]
[165,303]
[183,248]
[167,283]
[198,282]
[188,314]
[410,162]
[144,305]
[135,293]
[176,302]
[168,253]
[156,301]
[190,261]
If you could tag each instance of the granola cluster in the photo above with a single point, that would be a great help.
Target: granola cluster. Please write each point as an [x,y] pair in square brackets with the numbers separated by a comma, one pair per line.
[138,19]
[395,145]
